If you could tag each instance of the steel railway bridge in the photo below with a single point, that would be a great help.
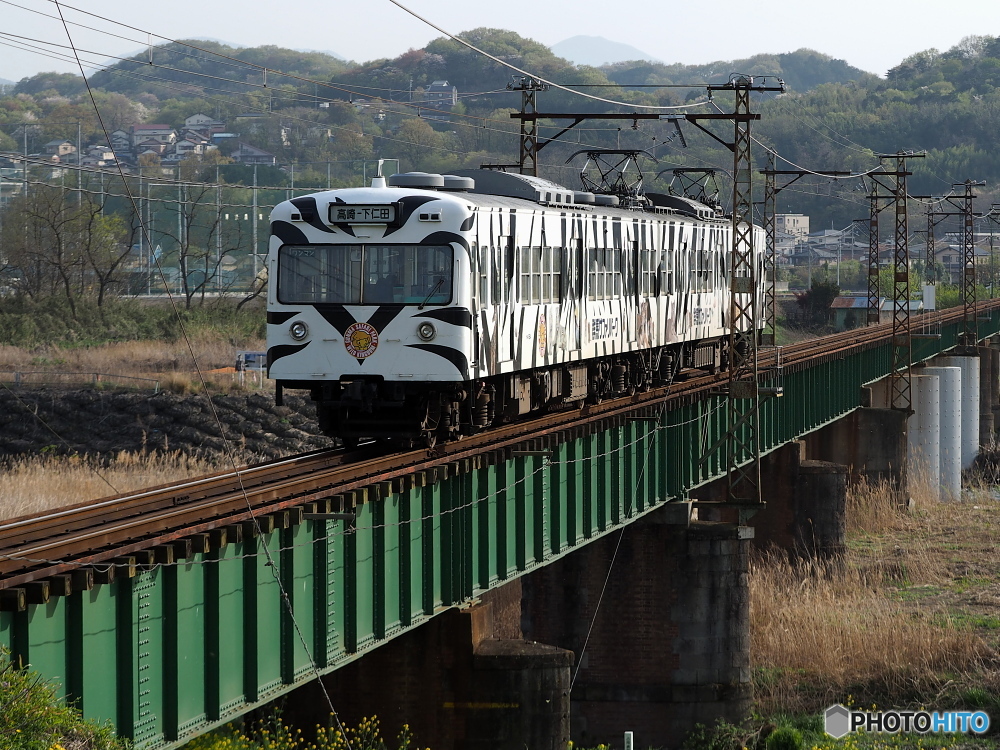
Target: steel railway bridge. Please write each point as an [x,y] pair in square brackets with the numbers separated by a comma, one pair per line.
[172,611]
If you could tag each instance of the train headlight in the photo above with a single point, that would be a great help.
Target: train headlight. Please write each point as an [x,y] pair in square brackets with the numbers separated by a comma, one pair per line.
[298,330]
[426,331]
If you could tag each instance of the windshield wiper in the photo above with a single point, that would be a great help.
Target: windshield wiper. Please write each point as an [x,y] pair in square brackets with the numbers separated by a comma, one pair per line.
[432,292]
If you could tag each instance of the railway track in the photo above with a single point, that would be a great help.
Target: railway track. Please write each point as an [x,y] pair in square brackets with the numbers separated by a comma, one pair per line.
[145,527]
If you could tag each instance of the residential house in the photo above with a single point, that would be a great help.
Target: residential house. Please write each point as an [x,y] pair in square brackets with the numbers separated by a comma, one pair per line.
[184,148]
[121,142]
[161,133]
[195,136]
[59,149]
[247,154]
[150,146]
[441,95]
[952,257]
[98,156]
[850,312]
[203,124]
[218,138]
[796,225]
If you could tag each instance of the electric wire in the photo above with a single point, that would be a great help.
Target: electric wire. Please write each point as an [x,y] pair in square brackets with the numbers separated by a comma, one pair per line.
[625,448]
[523,72]
[201,376]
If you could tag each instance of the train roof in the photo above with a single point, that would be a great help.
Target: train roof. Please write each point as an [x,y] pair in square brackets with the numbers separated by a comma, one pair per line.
[491,187]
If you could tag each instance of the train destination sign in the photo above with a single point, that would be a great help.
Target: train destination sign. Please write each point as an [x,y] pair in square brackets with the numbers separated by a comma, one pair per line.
[362,213]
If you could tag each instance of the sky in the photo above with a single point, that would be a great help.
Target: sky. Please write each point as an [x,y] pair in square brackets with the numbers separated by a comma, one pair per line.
[872,35]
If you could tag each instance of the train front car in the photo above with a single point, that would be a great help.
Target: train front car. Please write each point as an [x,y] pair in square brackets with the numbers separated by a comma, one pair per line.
[369,308]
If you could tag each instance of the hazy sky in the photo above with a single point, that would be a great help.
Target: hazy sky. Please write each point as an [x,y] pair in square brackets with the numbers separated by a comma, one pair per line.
[870,34]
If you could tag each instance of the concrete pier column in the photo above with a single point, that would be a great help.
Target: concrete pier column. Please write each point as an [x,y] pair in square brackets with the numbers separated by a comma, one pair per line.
[805,504]
[989,393]
[870,442]
[669,646]
[924,432]
[970,404]
[821,509]
[456,682]
[950,443]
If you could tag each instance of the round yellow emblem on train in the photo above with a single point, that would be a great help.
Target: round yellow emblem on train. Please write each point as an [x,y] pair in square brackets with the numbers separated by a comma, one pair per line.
[361,340]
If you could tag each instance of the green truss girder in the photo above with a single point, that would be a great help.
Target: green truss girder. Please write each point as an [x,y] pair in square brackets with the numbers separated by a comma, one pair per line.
[182,648]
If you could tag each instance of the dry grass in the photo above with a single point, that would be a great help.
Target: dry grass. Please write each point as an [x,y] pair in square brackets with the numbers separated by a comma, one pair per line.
[896,622]
[137,358]
[38,483]
[170,363]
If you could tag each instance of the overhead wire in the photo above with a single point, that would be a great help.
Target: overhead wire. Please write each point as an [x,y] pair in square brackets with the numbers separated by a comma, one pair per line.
[201,376]
[536,77]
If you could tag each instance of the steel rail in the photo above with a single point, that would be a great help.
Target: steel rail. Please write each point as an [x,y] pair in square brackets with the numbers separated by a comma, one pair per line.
[96,533]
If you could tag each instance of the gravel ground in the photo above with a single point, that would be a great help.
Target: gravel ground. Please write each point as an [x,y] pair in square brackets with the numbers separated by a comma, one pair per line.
[106,423]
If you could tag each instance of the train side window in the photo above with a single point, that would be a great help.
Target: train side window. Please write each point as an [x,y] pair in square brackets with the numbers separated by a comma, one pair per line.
[538,277]
[595,277]
[551,272]
[604,273]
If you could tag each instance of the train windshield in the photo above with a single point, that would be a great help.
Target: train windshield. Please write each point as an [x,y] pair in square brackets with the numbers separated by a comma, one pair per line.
[365,274]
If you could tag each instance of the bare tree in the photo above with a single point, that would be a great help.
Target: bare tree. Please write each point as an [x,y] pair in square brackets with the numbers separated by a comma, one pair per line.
[41,238]
[202,241]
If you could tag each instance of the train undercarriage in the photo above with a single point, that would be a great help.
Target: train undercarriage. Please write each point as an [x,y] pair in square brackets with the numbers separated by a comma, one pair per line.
[408,415]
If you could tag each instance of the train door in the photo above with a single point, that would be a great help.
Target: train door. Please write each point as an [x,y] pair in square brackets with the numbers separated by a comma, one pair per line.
[571,294]
[504,297]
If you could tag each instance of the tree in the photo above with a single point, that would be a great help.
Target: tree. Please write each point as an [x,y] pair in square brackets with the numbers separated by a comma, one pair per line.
[816,301]
[203,240]
[59,245]
[40,239]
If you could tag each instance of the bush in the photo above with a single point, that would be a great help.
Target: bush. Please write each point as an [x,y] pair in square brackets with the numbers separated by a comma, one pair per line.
[32,718]
[28,323]
[784,738]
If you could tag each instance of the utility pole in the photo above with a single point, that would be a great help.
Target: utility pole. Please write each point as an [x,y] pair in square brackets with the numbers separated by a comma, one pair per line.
[528,87]
[963,205]
[970,327]
[899,379]
[253,245]
[771,190]
[742,440]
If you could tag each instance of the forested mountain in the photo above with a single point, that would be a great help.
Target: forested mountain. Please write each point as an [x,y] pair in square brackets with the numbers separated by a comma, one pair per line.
[327,117]
[801,70]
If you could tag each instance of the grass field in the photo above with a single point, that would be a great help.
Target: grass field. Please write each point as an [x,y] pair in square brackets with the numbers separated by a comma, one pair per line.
[910,618]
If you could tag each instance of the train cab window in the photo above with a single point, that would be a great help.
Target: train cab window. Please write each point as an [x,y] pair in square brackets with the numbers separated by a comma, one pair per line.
[309,274]
[365,274]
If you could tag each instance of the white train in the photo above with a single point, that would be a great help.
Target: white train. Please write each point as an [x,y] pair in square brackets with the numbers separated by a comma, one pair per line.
[435,306]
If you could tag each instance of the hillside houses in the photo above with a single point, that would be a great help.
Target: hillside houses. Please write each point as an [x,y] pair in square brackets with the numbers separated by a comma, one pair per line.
[199,134]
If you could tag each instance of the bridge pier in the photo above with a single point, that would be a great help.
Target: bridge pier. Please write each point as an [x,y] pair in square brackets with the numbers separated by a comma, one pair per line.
[465,680]
[989,397]
[805,503]
[970,403]
[669,646]
[949,443]
[870,442]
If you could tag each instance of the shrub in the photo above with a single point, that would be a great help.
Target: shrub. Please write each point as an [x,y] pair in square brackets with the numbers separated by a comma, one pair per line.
[784,738]
[32,718]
